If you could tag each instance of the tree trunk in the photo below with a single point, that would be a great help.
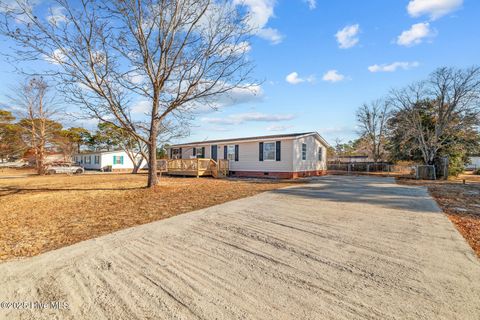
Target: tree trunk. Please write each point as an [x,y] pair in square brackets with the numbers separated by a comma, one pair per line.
[137,165]
[152,158]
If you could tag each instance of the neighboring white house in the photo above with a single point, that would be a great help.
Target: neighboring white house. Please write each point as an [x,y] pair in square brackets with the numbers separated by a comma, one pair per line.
[104,160]
[283,156]
[474,163]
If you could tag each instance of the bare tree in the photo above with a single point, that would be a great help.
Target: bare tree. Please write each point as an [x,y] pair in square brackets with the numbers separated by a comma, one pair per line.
[170,55]
[433,111]
[372,119]
[35,108]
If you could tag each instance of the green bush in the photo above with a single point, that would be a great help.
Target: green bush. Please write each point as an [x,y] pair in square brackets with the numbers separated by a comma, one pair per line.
[456,165]
[477,171]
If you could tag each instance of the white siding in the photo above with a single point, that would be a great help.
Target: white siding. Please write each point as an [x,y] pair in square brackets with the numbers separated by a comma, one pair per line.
[291,155]
[83,159]
[249,158]
[312,161]
[106,159]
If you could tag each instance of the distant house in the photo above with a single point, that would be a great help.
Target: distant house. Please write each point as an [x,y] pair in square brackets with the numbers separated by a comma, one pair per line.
[50,157]
[474,163]
[282,156]
[105,160]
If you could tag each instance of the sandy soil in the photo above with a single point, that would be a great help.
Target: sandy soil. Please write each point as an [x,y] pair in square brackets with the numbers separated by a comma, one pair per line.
[461,203]
[341,248]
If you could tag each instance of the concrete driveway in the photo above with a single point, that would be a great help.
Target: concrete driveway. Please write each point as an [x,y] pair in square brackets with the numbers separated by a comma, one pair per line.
[339,248]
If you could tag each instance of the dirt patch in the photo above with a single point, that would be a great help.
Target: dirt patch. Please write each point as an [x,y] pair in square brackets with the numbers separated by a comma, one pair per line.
[461,203]
[39,214]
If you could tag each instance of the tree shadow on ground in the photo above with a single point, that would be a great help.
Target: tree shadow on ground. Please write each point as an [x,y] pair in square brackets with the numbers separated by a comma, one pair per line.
[362,190]
[6,191]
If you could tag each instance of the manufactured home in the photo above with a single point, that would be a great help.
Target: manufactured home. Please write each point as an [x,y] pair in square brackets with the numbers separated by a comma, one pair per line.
[473,163]
[280,156]
[105,160]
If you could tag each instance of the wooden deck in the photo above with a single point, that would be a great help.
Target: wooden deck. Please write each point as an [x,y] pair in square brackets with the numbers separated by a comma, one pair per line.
[194,167]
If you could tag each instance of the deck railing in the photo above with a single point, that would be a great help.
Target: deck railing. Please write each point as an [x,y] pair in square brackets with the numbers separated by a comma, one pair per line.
[194,167]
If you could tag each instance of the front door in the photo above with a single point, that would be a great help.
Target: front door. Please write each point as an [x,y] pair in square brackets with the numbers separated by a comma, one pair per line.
[214,152]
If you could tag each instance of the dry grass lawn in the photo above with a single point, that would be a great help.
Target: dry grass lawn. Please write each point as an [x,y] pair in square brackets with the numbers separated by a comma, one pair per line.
[461,203]
[39,214]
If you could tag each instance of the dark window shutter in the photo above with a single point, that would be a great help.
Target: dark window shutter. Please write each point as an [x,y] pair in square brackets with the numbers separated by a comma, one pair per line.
[194,151]
[236,152]
[225,152]
[203,152]
[171,153]
[260,151]
[180,153]
[278,148]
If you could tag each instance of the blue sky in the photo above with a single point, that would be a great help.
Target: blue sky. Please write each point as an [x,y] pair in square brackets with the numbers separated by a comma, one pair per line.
[319,60]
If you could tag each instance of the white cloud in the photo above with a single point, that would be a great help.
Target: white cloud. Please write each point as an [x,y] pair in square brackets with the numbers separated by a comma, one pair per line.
[333,76]
[433,8]
[348,36]
[393,66]
[57,16]
[312,4]
[294,78]
[270,34]
[260,13]
[236,119]
[415,35]
[142,107]
[18,8]
[57,57]
[276,127]
[253,93]
[235,49]
[236,96]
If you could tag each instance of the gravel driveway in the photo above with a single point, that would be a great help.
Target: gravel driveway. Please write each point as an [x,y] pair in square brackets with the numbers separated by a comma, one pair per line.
[339,248]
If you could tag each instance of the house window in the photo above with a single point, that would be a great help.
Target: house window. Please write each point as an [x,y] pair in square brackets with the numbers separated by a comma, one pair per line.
[304,151]
[231,152]
[176,154]
[97,159]
[88,159]
[117,159]
[199,152]
[269,151]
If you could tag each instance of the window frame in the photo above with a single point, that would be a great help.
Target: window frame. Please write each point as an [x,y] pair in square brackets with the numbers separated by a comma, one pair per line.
[304,151]
[175,153]
[231,152]
[200,152]
[117,160]
[320,154]
[274,148]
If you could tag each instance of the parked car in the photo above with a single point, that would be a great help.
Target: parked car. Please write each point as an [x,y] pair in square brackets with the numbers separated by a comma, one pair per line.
[64,168]
[13,164]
